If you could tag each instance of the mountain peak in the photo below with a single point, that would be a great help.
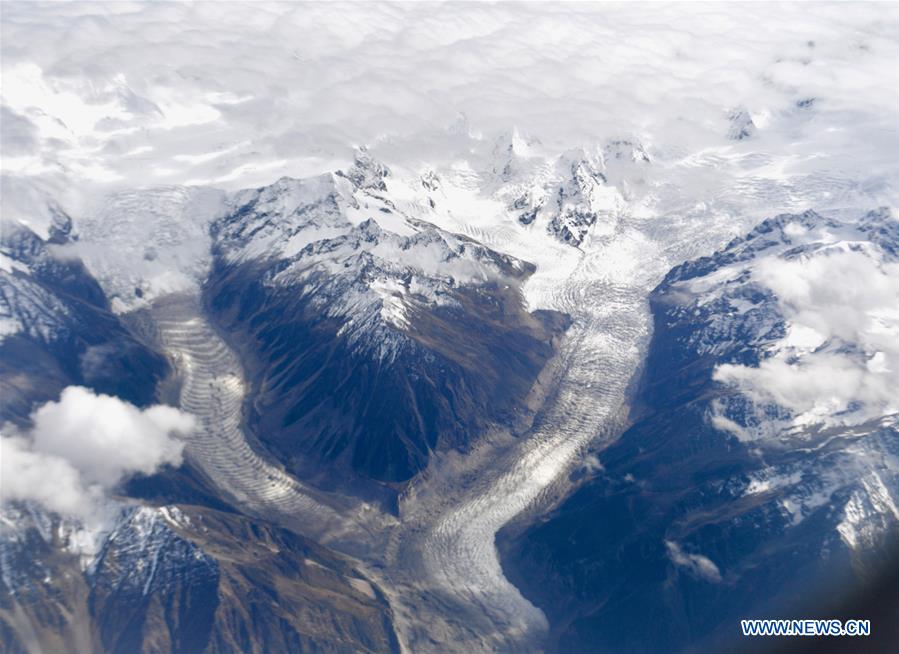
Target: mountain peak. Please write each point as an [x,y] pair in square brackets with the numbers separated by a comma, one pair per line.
[624,150]
[366,173]
[742,126]
[508,149]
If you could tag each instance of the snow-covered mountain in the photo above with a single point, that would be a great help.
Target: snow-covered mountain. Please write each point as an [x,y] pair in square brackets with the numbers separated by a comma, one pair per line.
[817,370]
[761,464]
[341,240]
[375,337]
[57,327]
[566,195]
[183,579]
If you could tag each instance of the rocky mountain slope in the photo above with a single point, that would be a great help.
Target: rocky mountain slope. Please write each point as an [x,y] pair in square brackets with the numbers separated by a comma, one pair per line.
[57,328]
[372,341]
[726,500]
[181,579]
[155,577]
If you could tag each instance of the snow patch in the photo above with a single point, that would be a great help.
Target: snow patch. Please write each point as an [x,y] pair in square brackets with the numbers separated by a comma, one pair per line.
[696,564]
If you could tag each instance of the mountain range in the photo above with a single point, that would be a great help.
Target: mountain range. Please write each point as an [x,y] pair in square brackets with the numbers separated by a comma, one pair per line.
[385,367]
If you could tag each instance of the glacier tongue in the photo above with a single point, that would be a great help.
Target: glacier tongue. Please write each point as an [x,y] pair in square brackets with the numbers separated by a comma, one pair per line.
[213,390]
[448,564]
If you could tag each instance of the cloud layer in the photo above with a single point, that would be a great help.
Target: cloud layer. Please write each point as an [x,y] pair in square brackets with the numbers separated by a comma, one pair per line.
[238,95]
[82,446]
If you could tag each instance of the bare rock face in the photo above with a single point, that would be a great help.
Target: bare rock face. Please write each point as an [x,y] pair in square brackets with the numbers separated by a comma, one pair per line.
[182,579]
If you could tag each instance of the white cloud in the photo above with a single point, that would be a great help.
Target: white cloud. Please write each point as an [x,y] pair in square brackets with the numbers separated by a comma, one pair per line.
[848,294]
[141,94]
[105,437]
[49,480]
[82,446]
[839,362]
